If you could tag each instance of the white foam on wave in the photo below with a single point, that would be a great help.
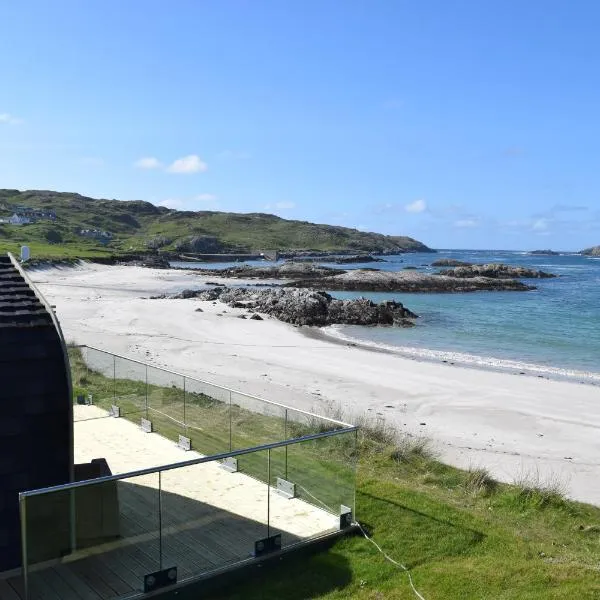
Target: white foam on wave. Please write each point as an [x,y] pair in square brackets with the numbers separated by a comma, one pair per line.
[470,360]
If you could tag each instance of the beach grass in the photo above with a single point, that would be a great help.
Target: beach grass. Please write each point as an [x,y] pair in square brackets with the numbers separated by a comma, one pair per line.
[460,533]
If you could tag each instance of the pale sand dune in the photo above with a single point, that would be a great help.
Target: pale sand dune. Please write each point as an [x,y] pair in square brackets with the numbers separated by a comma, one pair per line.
[512,424]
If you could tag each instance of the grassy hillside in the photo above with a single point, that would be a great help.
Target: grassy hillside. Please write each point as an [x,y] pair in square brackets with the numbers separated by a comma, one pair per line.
[138,226]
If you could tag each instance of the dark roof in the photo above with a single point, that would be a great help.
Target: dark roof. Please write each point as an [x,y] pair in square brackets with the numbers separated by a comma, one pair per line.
[19,306]
[35,404]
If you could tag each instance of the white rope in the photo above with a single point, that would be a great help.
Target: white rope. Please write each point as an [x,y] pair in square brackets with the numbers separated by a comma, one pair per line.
[412,585]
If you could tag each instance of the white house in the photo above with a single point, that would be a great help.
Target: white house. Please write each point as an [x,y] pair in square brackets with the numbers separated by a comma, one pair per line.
[19,220]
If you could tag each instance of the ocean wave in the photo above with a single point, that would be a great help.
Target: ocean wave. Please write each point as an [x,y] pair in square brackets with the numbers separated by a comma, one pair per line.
[470,360]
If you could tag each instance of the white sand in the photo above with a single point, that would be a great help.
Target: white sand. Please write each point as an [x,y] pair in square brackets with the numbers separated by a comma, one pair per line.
[514,425]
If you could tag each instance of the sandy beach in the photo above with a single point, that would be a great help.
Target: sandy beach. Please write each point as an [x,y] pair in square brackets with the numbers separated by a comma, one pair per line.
[515,425]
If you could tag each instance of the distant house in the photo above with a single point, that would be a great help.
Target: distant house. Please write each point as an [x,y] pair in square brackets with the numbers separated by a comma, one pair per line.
[96,234]
[19,220]
[34,213]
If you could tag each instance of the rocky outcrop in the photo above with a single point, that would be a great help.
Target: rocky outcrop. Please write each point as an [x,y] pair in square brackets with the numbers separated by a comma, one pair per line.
[364,280]
[450,262]
[593,251]
[496,271]
[544,252]
[308,307]
[338,260]
[288,270]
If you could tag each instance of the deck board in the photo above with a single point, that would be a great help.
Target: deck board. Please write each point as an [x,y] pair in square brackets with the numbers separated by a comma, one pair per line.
[211,518]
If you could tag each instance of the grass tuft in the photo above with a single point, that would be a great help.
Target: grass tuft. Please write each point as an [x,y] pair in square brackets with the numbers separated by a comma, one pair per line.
[479,481]
[533,491]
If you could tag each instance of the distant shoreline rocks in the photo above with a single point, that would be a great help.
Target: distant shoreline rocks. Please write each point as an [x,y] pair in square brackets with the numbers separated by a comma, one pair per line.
[363,280]
[495,271]
[593,251]
[545,252]
[306,307]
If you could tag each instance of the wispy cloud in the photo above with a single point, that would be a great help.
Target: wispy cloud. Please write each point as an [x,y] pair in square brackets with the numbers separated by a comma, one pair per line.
[205,198]
[171,203]
[10,119]
[148,163]
[466,223]
[540,225]
[187,165]
[418,206]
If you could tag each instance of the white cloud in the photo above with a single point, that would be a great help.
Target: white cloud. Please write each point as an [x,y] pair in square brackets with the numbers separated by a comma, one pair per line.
[466,223]
[540,225]
[188,164]
[418,206]
[205,198]
[171,203]
[148,162]
[9,119]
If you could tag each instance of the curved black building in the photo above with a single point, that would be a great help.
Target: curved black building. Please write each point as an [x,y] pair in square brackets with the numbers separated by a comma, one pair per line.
[36,424]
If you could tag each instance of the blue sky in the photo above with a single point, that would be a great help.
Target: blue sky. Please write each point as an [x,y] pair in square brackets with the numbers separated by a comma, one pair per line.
[469,124]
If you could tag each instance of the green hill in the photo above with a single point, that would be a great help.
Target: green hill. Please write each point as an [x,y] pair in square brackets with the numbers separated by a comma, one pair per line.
[69,225]
[593,251]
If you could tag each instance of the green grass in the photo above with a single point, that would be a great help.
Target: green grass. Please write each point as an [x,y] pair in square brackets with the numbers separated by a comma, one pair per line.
[323,468]
[137,225]
[461,533]
[495,544]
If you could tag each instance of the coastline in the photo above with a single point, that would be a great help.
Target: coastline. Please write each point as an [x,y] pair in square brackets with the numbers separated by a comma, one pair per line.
[476,417]
[468,361]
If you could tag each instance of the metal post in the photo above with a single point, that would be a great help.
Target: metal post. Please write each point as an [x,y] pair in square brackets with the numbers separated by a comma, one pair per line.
[269,492]
[114,379]
[73,523]
[24,557]
[285,437]
[230,424]
[147,392]
[160,553]
[184,421]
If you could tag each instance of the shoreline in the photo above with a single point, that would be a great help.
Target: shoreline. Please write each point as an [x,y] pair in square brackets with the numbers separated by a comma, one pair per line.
[509,425]
[476,362]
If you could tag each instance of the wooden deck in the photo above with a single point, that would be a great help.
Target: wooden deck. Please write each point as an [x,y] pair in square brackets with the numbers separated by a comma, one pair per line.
[210,519]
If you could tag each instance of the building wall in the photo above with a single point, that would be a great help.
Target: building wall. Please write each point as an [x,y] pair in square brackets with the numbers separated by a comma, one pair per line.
[35,405]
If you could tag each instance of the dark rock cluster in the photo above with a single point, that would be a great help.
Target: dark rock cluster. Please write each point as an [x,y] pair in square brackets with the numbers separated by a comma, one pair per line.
[307,307]
[496,271]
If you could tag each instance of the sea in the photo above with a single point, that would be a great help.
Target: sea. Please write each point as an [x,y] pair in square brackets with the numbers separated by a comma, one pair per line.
[552,331]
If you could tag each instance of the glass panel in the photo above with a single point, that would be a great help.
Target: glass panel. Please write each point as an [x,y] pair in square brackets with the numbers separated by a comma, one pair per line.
[207,417]
[323,472]
[130,388]
[166,402]
[99,540]
[212,517]
[92,372]
[255,422]
[83,386]
[300,424]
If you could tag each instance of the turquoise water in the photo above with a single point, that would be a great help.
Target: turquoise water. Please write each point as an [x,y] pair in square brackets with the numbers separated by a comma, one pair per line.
[554,330]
